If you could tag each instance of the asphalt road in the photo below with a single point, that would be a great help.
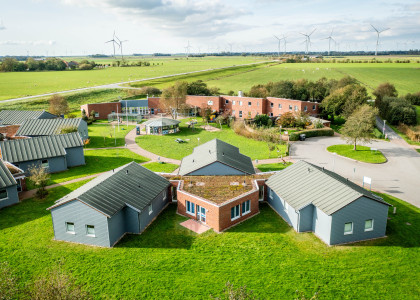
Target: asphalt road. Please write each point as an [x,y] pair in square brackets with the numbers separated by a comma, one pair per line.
[399,177]
[391,134]
[118,84]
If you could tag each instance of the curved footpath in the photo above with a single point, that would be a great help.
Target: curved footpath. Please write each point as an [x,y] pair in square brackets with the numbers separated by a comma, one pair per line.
[399,177]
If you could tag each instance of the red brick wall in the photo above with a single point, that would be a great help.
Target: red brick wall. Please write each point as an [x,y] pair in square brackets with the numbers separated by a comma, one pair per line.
[250,106]
[276,110]
[104,109]
[203,101]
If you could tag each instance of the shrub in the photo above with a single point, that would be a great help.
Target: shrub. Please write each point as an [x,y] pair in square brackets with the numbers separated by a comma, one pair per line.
[261,120]
[286,120]
[294,136]
[413,98]
[85,67]
[413,135]
[67,129]
[39,176]
[397,110]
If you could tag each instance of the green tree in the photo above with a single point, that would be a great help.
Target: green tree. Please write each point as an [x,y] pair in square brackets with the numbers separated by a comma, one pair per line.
[384,90]
[39,176]
[261,120]
[8,64]
[359,125]
[198,88]
[174,98]
[258,91]
[32,64]
[58,105]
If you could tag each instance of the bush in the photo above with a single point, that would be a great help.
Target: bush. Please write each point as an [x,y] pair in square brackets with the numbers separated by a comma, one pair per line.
[85,67]
[67,129]
[413,135]
[294,136]
[413,98]
[397,110]
[261,120]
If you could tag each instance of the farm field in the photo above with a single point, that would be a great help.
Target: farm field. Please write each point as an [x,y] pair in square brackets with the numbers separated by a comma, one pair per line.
[20,84]
[263,253]
[167,147]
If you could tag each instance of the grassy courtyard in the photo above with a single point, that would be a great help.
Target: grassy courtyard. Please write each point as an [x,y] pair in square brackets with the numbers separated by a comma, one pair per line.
[103,134]
[273,167]
[167,147]
[363,153]
[170,262]
[161,167]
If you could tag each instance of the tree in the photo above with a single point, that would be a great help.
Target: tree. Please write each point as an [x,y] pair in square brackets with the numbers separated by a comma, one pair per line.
[287,120]
[198,88]
[357,97]
[150,90]
[84,116]
[174,98]
[261,120]
[8,64]
[384,90]
[39,176]
[32,64]
[258,91]
[58,105]
[8,282]
[359,125]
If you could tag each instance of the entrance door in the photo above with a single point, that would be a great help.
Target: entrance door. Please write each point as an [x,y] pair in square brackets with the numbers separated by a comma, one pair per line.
[201,214]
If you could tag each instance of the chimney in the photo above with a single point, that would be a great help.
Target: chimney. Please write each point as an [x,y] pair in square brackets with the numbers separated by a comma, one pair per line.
[240,94]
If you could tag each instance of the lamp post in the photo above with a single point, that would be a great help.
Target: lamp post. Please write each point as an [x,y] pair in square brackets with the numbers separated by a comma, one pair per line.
[115,137]
[383,130]
[198,139]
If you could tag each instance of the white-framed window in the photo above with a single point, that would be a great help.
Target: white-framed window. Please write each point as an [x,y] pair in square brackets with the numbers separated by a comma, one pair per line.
[3,194]
[240,103]
[249,103]
[45,164]
[233,102]
[70,227]
[90,230]
[235,212]
[210,102]
[369,225]
[279,105]
[96,115]
[270,194]
[271,104]
[246,207]
[240,114]
[286,206]
[150,208]
[290,107]
[314,107]
[348,228]
[305,108]
[271,114]
[190,207]
[296,108]
[226,101]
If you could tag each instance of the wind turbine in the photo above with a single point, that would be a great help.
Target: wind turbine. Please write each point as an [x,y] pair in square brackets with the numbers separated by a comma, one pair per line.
[378,32]
[121,46]
[330,38]
[2,27]
[307,40]
[187,49]
[113,43]
[278,46]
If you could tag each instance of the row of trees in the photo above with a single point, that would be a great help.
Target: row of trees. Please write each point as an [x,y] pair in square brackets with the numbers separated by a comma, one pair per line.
[10,64]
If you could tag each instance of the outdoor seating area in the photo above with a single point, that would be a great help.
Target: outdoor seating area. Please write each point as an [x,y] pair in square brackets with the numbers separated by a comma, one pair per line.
[161,126]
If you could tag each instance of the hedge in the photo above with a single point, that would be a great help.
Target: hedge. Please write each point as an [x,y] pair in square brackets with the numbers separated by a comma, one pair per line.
[294,136]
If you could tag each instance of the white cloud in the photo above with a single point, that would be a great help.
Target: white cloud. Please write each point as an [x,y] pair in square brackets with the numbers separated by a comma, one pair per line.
[27,43]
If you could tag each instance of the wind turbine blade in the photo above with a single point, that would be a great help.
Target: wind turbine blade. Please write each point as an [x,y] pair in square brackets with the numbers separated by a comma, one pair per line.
[312,32]
[303,34]
[109,41]
[374,28]
[384,30]
[276,37]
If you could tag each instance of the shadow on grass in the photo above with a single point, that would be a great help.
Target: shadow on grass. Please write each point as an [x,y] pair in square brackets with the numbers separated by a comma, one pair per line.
[164,232]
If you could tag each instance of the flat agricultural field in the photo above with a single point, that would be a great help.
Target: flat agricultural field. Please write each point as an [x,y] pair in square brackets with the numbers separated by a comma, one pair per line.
[168,261]
[20,84]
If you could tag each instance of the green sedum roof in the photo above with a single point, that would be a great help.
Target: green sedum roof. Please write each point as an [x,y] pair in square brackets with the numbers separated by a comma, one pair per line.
[216,150]
[130,185]
[303,183]
[41,147]
[6,178]
[46,126]
[16,117]
[160,122]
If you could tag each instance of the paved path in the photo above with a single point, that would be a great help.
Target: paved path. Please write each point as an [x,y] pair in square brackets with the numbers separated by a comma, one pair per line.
[130,140]
[400,176]
[118,84]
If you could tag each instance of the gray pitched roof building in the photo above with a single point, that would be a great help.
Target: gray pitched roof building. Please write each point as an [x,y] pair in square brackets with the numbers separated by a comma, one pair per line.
[17,117]
[8,187]
[41,127]
[42,147]
[216,151]
[130,185]
[6,178]
[303,183]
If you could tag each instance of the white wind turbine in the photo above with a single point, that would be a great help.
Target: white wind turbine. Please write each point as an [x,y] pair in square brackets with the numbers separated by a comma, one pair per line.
[378,32]
[330,38]
[187,49]
[307,40]
[121,46]
[278,45]
[113,42]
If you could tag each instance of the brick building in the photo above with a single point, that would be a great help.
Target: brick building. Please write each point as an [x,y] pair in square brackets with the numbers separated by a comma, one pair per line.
[102,110]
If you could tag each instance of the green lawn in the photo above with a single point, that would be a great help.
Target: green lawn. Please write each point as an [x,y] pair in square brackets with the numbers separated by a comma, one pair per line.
[161,167]
[363,153]
[272,167]
[97,161]
[167,147]
[170,262]
[101,134]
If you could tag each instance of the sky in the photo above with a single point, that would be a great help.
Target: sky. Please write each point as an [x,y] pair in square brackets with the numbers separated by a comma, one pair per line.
[81,27]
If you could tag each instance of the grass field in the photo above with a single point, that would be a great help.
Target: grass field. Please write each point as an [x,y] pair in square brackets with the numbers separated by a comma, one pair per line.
[20,84]
[272,167]
[168,261]
[161,167]
[100,134]
[167,147]
[363,153]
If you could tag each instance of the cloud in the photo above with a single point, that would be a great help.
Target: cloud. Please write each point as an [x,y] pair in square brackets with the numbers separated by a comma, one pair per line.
[2,27]
[27,43]
[200,18]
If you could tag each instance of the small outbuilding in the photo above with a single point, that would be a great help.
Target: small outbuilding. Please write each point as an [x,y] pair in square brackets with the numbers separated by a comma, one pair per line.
[56,152]
[8,187]
[338,211]
[101,212]
[161,126]
[216,158]
[43,127]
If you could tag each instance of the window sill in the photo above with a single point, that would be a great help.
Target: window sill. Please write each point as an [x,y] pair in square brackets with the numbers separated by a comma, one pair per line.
[150,212]
[245,213]
[69,232]
[190,213]
[235,218]
[90,235]
[371,229]
[347,233]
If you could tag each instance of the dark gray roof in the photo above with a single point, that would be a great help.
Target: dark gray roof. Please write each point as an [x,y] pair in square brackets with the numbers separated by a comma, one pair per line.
[161,122]
[6,178]
[110,192]
[303,183]
[216,150]
[41,147]
[17,117]
[46,127]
